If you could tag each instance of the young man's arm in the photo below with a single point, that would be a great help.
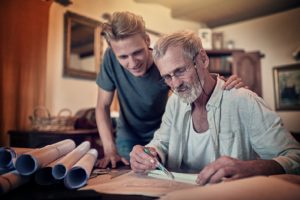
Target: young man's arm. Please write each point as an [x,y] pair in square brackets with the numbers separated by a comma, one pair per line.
[104,124]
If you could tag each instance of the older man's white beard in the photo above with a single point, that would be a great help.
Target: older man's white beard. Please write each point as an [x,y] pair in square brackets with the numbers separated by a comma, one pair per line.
[192,92]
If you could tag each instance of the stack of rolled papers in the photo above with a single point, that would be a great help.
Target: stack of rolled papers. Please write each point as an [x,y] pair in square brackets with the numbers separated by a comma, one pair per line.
[61,161]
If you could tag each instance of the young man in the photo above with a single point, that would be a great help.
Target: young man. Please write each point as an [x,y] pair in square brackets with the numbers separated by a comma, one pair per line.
[128,68]
[216,133]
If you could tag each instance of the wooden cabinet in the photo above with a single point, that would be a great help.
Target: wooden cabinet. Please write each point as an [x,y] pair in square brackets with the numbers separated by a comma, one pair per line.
[246,65]
[37,139]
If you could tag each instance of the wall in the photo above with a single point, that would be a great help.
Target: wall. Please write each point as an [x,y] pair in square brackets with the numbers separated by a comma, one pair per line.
[23,50]
[75,93]
[277,36]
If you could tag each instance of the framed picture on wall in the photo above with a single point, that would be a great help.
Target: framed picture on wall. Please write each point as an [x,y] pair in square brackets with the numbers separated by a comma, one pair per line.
[205,35]
[217,40]
[287,87]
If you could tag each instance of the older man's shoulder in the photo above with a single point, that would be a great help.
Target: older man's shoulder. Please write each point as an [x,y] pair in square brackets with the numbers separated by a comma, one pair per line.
[242,92]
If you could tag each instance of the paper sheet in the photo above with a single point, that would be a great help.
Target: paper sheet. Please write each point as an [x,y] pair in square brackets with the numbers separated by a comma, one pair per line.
[179,177]
[259,188]
[132,183]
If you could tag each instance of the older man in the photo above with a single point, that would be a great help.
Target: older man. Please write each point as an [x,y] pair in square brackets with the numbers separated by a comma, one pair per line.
[218,134]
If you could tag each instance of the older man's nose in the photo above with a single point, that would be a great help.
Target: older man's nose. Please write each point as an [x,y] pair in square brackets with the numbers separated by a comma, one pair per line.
[175,81]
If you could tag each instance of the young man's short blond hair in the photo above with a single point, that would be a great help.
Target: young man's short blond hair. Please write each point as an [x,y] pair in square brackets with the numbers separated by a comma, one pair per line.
[123,25]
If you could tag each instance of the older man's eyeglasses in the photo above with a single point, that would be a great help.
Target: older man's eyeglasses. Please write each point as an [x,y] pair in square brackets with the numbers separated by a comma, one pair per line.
[178,73]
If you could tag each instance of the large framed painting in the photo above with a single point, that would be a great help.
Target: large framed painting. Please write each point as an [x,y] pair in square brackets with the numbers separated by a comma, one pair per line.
[287,87]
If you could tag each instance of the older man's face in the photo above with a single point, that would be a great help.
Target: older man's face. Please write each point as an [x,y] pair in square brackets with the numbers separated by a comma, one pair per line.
[180,75]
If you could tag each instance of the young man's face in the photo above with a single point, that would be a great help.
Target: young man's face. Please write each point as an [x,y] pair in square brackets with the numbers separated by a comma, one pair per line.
[181,75]
[133,54]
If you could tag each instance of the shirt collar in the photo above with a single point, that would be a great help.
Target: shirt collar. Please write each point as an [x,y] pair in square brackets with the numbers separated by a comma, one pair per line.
[216,96]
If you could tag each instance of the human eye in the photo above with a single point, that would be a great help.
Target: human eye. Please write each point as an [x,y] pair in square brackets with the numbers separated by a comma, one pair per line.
[123,57]
[139,52]
[166,78]
[180,71]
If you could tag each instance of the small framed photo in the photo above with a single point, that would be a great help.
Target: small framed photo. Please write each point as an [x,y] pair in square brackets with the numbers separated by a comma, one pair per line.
[287,87]
[217,40]
[205,35]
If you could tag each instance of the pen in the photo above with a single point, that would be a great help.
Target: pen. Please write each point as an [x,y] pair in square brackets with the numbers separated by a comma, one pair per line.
[159,165]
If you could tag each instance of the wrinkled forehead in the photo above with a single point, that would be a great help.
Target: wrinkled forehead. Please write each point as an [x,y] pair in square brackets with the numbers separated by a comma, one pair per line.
[171,60]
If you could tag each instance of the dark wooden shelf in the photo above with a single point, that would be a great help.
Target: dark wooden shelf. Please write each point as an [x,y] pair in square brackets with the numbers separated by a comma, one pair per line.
[37,139]
[222,72]
[222,52]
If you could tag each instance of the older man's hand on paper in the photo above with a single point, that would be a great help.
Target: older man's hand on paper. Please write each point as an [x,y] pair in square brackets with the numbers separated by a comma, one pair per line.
[227,168]
[140,161]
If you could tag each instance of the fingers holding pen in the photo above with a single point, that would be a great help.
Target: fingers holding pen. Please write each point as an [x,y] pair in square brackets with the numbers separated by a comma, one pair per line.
[140,161]
[152,151]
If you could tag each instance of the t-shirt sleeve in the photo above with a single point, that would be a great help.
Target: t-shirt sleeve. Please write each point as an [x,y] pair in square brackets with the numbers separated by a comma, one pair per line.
[106,76]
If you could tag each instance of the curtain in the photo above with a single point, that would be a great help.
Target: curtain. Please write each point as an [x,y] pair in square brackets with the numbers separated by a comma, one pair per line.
[23,50]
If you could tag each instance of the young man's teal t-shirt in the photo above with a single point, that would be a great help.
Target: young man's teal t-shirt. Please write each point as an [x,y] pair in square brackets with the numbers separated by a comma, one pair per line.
[142,99]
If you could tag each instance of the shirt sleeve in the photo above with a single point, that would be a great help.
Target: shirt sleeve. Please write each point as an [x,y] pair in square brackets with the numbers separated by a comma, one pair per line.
[270,139]
[161,137]
[106,76]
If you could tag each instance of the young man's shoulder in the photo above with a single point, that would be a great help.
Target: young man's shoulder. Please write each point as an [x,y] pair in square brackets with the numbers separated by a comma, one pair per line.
[110,62]
[109,54]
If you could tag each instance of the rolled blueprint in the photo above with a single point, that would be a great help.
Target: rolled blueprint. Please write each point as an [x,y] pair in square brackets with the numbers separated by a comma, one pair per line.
[78,175]
[6,158]
[59,171]
[28,163]
[12,180]
[43,176]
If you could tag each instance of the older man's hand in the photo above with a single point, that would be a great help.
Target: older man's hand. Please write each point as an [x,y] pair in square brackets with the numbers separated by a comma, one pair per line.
[226,168]
[141,162]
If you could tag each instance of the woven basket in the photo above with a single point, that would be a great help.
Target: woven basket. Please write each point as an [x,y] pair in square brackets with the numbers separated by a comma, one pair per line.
[42,120]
